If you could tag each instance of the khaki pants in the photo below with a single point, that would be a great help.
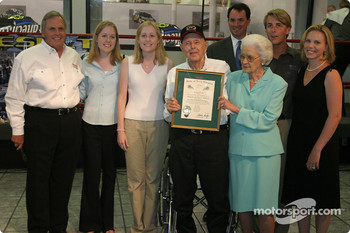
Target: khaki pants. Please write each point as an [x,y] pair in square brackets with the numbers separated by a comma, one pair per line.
[148,142]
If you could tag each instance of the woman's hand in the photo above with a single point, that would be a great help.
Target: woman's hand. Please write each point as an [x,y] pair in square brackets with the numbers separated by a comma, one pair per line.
[172,105]
[225,104]
[123,141]
[313,162]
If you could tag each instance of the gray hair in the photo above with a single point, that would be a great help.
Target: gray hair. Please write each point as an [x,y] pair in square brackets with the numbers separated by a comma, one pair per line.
[50,15]
[263,45]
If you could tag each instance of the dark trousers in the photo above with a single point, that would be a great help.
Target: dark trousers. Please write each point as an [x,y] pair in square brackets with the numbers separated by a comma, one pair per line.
[52,144]
[100,151]
[207,156]
[342,60]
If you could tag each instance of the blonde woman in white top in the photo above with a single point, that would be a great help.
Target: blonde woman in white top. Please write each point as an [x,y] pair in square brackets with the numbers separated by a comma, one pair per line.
[142,132]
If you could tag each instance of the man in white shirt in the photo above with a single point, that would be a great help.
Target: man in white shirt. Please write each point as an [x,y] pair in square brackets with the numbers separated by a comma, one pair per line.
[198,151]
[41,103]
[228,49]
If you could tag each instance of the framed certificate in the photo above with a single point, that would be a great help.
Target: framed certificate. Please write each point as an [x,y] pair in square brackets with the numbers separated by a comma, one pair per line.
[197,92]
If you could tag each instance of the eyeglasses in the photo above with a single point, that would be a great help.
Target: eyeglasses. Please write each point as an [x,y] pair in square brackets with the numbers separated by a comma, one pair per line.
[248,57]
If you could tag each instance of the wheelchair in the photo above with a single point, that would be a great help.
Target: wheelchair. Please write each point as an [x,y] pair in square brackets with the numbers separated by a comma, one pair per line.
[167,215]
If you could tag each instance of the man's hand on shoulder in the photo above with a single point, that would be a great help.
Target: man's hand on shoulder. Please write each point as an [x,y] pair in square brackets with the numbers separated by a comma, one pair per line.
[18,141]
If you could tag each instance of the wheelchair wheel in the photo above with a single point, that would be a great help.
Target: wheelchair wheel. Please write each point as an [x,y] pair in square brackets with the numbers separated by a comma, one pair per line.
[233,223]
[164,194]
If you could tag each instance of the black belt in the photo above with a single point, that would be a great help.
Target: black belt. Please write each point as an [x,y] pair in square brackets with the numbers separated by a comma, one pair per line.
[198,131]
[57,111]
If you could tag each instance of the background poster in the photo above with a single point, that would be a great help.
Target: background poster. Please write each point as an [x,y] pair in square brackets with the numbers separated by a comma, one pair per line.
[14,19]
[138,16]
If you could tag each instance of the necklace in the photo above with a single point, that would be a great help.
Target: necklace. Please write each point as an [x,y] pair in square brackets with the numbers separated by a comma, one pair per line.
[310,70]
[255,82]
[148,65]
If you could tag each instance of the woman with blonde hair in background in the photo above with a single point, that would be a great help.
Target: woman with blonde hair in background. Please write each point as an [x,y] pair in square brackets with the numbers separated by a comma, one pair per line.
[142,132]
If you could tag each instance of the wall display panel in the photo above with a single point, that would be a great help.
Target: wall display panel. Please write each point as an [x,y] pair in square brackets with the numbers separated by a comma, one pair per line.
[120,14]
[138,16]
[13,18]
[36,9]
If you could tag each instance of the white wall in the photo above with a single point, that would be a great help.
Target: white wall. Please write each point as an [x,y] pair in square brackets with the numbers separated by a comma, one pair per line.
[260,8]
[79,16]
[319,11]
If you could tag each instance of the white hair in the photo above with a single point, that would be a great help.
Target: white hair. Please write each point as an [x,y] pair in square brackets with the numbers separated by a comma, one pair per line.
[263,45]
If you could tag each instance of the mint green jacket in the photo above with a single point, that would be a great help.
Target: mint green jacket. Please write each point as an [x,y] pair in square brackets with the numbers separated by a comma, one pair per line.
[254,130]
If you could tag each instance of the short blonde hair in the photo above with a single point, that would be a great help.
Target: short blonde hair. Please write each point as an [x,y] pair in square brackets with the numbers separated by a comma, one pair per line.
[161,55]
[329,55]
[263,45]
[281,15]
[94,51]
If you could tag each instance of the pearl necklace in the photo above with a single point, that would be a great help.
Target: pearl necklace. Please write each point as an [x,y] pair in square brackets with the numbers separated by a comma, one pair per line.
[310,70]
[255,82]
[149,65]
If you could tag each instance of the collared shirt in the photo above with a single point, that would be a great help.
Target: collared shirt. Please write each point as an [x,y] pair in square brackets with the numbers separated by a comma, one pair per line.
[234,44]
[287,66]
[40,78]
[260,106]
[99,89]
[212,65]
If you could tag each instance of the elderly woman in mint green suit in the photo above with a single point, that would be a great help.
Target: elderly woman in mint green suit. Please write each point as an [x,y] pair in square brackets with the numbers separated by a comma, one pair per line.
[255,97]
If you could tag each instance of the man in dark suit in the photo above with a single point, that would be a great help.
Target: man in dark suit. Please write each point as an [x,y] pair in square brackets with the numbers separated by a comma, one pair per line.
[238,19]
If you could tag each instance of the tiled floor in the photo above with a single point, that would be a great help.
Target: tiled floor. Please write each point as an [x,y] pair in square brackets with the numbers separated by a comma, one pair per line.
[13,216]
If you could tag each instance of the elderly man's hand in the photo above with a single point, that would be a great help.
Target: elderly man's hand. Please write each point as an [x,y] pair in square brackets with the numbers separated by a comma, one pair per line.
[18,141]
[172,105]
